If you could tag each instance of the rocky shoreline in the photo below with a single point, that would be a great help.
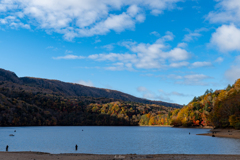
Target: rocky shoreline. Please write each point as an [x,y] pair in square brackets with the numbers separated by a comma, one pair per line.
[227,133]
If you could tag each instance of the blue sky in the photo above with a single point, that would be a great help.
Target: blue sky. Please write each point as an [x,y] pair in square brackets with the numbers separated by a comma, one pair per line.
[167,50]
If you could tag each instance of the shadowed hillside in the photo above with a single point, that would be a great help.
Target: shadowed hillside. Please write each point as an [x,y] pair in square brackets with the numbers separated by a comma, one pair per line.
[69,89]
[25,105]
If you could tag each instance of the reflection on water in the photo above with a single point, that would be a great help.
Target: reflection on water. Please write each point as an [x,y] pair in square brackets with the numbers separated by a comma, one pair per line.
[115,140]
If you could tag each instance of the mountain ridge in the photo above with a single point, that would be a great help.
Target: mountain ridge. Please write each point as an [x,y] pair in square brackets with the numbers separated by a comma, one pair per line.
[73,89]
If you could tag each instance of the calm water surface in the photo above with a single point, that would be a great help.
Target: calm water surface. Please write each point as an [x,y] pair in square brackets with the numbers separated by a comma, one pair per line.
[116,140]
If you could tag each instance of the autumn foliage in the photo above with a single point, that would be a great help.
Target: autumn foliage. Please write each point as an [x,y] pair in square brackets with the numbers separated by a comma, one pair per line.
[219,109]
[30,105]
[19,107]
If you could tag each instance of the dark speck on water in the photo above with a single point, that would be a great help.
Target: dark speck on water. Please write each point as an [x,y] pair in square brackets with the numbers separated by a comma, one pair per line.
[76,147]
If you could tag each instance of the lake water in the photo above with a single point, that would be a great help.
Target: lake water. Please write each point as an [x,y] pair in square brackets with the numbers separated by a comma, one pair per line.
[116,140]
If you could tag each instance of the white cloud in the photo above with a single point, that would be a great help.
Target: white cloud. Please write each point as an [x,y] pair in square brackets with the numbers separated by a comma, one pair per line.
[237,60]
[182,45]
[133,10]
[226,38]
[155,33]
[117,23]
[97,41]
[219,60]
[86,83]
[193,35]
[113,57]
[142,89]
[194,79]
[120,66]
[153,96]
[179,64]
[109,47]
[179,94]
[178,54]
[76,18]
[6,5]
[69,57]
[157,6]
[190,79]
[52,47]
[147,94]
[185,78]
[233,73]
[201,64]
[174,93]
[173,76]
[227,11]
[146,56]
[14,23]
[168,37]
[68,51]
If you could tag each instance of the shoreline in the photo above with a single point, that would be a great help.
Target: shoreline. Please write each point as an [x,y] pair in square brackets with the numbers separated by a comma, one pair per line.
[75,156]
[155,126]
[205,127]
[224,133]
[197,127]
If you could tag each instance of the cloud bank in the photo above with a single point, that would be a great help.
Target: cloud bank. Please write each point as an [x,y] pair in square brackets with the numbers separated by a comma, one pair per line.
[80,18]
[143,56]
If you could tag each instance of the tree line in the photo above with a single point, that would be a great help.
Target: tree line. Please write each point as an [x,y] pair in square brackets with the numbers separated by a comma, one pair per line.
[23,107]
[19,107]
[219,109]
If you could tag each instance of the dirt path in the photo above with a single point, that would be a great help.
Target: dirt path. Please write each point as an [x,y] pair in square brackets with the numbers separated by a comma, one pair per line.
[46,156]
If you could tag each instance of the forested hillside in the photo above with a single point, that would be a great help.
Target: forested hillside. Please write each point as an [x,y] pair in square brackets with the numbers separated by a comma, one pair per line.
[26,105]
[69,89]
[31,101]
[220,109]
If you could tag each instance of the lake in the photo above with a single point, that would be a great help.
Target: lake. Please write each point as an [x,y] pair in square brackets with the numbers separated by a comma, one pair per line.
[115,140]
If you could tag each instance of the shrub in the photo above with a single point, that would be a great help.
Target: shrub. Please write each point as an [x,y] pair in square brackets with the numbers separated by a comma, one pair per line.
[237,125]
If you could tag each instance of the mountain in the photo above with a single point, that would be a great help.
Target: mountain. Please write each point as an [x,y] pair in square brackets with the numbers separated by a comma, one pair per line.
[56,87]
[20,107]
[40,102]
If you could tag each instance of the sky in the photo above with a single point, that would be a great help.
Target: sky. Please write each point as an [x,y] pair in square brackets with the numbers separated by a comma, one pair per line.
[164,50]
